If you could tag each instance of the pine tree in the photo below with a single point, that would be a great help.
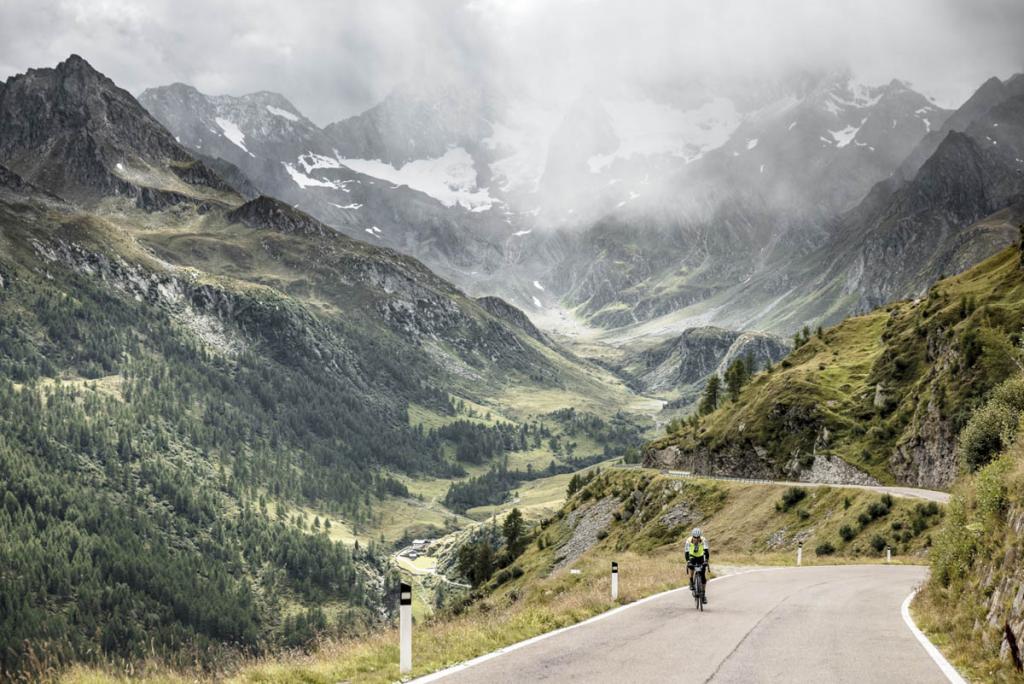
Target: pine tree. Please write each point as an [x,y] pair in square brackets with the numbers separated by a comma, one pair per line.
[483,566]
[735,378]
[709,402]
[512,529]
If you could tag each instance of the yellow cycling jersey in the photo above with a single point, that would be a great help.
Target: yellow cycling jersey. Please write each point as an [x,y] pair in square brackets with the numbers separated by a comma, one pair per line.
[695,549]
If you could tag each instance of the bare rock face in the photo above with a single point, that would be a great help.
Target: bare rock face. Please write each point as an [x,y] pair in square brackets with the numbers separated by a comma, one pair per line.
[587,524]
[735,459]
[684,363]
[73,132]
[834,470]
[681,515]
[926,456]
[511,314]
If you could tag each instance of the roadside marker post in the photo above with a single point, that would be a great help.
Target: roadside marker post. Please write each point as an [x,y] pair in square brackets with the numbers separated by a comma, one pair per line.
[405,629]
[615,581]
[799,553]
[888,554]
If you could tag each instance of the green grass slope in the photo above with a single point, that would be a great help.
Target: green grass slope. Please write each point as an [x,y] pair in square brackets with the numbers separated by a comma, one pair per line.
[886,392]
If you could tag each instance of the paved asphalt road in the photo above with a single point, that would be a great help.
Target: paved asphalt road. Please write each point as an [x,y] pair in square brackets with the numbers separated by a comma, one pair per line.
[905,492]
[812,624]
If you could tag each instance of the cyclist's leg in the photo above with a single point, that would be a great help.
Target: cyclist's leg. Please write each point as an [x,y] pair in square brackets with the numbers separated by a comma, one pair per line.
[689,574]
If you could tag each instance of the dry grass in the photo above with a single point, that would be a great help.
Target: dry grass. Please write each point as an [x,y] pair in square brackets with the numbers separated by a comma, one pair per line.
[551,603]
[502,619]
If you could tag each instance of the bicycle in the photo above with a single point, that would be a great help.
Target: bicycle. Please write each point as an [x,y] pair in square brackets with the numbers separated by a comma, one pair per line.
[699,585]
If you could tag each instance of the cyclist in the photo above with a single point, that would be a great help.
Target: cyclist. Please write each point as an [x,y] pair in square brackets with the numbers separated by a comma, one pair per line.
[696,549]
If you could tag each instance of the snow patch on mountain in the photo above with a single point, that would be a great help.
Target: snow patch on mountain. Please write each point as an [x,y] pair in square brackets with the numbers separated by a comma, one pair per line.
[283,113]
[304,181]
[312,161]
[450,179]
[536,284]
[844,136]
[233,133]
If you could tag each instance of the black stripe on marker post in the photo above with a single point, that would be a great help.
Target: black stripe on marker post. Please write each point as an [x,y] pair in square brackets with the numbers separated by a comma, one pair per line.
[405,597]
[615,566]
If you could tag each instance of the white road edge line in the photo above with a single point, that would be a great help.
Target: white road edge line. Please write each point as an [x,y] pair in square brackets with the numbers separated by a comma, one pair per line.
[440,674]
[947,669]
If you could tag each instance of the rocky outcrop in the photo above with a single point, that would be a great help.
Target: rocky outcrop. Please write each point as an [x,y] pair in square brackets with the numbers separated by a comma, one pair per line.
[587,523]
[683,364]
[498,307]
[736,459]
[11,180]
[1005,603]
[269,213]
[834,470]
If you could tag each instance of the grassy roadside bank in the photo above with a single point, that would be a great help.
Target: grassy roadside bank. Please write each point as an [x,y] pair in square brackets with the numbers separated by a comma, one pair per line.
[972,608]
[635,518]
[557,602]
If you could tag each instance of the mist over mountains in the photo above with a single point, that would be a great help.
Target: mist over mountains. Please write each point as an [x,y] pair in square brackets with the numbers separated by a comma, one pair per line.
[285,292]
[660,208]
[447,260]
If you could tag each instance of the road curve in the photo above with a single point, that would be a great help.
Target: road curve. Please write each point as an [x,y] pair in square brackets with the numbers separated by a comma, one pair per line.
[812,624]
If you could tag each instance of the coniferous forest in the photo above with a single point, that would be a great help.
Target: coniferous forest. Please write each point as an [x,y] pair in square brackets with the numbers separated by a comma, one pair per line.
[134,513]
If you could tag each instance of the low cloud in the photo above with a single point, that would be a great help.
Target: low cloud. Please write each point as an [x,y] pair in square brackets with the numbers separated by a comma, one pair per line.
[334,59]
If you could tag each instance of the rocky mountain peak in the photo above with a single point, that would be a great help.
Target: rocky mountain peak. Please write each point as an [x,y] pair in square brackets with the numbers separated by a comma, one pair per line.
[72,131]
[267,212]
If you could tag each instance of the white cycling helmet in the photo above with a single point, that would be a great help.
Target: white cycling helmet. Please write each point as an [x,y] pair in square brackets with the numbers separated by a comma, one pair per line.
[697,533]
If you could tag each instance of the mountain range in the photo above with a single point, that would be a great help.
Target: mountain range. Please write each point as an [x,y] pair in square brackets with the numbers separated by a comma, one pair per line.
[643,212]
[189,377]
[231,339]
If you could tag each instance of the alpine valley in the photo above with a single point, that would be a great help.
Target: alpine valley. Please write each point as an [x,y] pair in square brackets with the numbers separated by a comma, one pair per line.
[252,368]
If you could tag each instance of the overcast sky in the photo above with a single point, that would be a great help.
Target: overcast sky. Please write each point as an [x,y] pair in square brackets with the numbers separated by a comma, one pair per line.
[334,59]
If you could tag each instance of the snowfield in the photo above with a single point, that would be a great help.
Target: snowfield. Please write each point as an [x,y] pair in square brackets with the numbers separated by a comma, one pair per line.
[450,179]
[304,181]
[846,135]
[233,133]
[283,113]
